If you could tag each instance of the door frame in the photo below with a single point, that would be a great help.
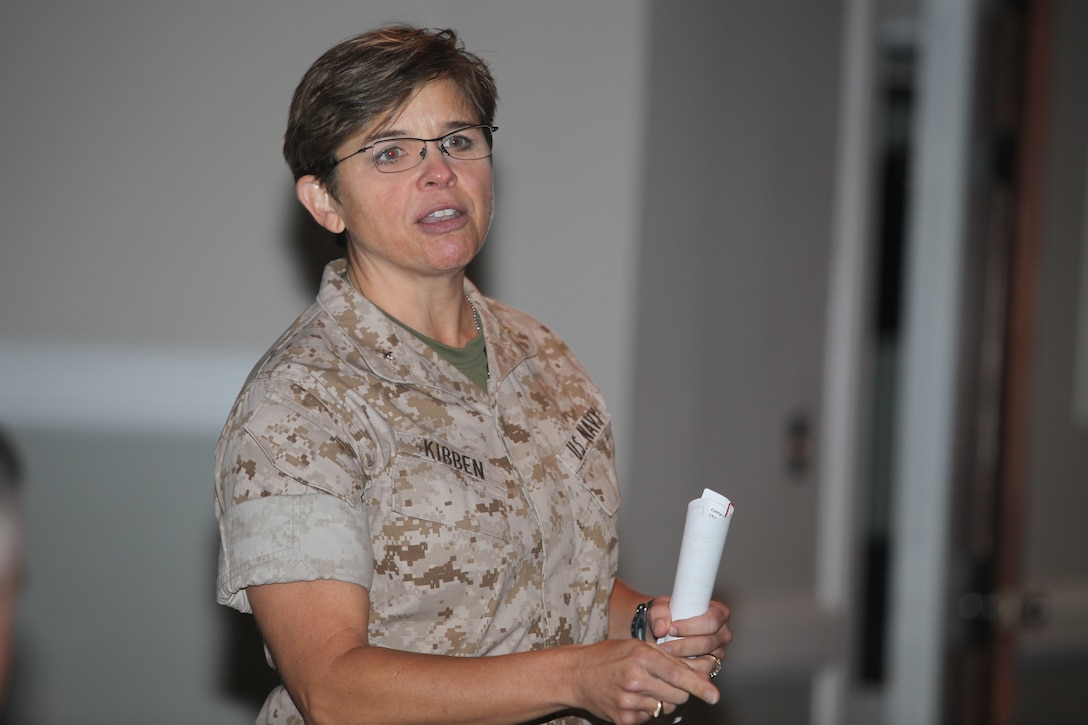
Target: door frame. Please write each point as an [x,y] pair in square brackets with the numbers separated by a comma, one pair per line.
[926,433]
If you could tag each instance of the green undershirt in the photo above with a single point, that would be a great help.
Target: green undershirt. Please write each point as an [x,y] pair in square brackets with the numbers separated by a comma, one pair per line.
[470,359]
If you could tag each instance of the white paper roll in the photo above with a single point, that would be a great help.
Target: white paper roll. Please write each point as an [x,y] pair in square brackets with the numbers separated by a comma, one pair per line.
[700,554]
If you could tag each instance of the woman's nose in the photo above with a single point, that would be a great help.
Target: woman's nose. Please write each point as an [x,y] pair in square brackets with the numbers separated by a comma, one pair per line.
[436,162]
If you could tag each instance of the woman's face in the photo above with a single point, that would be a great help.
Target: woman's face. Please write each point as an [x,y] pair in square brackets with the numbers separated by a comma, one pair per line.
[428,220]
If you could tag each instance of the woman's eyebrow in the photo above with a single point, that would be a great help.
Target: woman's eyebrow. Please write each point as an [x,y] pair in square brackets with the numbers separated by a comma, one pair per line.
[390,133]
[397,133]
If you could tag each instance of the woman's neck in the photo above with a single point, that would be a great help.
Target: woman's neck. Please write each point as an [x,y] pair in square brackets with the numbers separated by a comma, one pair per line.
[435,306]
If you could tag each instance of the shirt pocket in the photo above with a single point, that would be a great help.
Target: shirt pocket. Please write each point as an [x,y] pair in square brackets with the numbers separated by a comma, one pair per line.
[437,483]
[444,554]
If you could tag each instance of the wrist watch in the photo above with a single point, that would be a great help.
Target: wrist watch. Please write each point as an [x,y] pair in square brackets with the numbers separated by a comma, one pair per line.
[639,628]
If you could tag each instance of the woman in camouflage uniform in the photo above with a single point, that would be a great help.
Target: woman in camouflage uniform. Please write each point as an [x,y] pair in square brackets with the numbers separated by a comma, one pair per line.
[416,475]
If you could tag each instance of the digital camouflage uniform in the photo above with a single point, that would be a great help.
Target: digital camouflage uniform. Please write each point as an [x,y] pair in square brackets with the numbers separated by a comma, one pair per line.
[480,523]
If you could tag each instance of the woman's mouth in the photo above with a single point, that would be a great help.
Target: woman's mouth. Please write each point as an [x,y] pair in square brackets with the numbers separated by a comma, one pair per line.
[444,220]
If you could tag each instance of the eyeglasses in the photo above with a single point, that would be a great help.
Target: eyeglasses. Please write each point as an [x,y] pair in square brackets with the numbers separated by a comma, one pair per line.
[400,154]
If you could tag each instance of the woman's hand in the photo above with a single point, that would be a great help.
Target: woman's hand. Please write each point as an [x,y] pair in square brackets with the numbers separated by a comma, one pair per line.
[624,680]
[707,634]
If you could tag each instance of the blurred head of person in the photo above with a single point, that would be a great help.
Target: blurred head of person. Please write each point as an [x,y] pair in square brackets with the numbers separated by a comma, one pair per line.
[11,558]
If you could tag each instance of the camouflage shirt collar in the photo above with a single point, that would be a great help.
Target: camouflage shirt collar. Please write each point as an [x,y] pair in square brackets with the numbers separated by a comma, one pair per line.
[396,355]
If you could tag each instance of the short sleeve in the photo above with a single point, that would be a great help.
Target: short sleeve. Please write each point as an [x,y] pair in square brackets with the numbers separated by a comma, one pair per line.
[288,494]
[286,538]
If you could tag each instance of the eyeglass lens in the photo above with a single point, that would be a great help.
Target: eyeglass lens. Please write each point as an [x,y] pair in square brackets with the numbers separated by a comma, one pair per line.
[399,154]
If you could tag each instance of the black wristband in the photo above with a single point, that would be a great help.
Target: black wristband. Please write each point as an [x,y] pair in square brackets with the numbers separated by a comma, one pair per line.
[639,629]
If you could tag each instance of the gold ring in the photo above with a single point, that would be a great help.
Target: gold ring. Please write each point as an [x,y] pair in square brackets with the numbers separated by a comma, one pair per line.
[657,713]
[717,667]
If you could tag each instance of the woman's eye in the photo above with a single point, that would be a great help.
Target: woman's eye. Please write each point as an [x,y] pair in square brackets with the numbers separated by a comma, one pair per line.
[458,143]
[386,155]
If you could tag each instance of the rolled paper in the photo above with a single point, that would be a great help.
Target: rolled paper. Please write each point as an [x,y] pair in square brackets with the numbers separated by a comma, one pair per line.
[700,554]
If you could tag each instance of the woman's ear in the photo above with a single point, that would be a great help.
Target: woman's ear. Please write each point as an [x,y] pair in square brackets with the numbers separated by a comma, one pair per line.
[320,203]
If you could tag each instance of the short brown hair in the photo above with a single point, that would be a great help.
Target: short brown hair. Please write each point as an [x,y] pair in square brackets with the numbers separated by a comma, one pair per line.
[371,75]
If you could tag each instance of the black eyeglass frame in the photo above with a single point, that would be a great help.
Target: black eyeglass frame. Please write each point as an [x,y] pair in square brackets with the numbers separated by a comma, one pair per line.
[488,130]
